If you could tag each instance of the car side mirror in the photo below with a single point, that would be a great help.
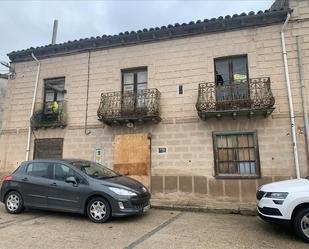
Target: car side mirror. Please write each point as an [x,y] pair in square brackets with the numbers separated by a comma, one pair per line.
[71,179]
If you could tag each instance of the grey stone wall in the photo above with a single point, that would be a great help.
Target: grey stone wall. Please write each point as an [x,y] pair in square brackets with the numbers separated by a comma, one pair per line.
[3,85]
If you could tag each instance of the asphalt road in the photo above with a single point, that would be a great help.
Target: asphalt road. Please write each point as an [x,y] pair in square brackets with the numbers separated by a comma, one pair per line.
[155,229]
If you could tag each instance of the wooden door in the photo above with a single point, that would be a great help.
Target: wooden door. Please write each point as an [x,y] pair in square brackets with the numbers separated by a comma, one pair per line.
[132,157]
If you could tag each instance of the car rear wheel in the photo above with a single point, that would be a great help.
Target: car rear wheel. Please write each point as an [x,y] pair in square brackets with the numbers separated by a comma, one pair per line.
[13,203]
[98,210]
[301,224]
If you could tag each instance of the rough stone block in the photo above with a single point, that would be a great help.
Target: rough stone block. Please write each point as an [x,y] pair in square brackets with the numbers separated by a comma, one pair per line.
[232,188]
[157,184]
[215,187]
[200,184]
[170,184]
[185,184]
[248,190]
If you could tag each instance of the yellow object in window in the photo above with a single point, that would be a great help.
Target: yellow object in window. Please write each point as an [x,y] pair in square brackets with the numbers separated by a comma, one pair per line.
[238,76]
[55,107]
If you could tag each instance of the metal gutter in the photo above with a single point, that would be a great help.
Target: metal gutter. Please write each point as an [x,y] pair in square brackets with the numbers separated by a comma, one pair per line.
[303,90]
[290,98]
[32,106]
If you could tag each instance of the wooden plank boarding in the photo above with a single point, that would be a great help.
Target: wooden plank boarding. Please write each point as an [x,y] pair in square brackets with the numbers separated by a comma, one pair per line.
[132,157]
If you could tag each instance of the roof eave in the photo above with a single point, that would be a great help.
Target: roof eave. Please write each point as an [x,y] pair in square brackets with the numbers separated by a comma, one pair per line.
[220,24]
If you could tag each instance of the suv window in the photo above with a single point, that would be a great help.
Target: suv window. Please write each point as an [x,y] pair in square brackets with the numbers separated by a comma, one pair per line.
[38,169]
[61,172]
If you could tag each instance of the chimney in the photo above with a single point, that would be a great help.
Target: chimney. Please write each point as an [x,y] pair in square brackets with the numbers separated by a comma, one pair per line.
[55,28]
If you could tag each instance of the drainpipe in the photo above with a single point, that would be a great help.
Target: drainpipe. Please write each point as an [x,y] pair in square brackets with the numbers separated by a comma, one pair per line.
[32,106]
[290,99]
[303,90]
[87,132]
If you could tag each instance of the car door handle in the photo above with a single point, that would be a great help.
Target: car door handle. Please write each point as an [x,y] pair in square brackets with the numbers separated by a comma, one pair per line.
[25,179]
[53,184]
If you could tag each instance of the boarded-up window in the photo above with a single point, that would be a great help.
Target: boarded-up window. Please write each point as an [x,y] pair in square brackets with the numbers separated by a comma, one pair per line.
[48,148]
[236,154]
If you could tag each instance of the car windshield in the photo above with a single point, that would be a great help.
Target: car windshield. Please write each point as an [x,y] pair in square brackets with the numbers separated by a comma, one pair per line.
[94,170]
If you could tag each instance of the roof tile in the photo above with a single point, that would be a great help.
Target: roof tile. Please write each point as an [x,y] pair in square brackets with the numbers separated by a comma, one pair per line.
[220,24]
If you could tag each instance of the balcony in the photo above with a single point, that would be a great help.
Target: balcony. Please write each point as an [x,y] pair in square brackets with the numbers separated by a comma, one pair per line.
[241,98]
[130,107]
[45,117]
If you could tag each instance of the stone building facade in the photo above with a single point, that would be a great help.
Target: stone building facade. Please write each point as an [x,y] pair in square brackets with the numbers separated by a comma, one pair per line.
[208,147]
[3,84]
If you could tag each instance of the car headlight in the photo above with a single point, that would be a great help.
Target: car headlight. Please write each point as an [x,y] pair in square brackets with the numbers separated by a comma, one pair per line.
[277,195]
[121,191]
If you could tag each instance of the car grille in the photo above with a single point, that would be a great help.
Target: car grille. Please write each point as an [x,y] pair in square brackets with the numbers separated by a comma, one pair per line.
[140,202]
[141,205]
[260,194]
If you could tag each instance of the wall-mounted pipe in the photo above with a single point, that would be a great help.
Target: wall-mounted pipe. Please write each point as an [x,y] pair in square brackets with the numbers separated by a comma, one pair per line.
[290,99]
[87,132]
[303,90]
[33,103]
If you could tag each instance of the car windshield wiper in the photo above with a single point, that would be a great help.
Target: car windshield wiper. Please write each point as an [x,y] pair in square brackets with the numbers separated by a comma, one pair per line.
[107,177]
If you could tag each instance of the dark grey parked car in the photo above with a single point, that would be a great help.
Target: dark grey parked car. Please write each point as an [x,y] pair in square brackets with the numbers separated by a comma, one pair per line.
[77,186]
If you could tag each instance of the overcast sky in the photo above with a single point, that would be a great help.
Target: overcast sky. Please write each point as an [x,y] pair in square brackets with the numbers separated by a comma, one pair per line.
[25,24]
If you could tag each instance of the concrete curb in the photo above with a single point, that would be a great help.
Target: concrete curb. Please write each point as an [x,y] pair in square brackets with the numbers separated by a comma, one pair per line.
[248,212]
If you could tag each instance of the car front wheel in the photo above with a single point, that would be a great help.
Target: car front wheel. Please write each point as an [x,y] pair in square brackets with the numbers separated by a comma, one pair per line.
[301,224]
[13,202]
[98,210]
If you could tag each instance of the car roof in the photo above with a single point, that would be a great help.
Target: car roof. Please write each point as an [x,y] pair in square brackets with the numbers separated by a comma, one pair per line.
[64,160]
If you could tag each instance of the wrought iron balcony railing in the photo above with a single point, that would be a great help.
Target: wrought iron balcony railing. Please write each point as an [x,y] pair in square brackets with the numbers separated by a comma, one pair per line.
[130,106]
[47,117]
[253,97]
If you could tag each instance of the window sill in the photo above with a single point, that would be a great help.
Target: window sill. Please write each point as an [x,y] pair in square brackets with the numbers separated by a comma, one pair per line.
[240,177]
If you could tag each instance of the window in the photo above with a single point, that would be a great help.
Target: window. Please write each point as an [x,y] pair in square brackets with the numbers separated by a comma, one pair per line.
[38,169]
[134,80]
[62,172]
[231,77]
[53,91]
[236,154]
[231,69]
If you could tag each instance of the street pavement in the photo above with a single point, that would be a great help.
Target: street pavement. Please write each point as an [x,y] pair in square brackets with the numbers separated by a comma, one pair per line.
[155,229]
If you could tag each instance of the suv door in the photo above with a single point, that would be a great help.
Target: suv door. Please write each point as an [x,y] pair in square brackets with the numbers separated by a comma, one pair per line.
[64,195]
[35,184]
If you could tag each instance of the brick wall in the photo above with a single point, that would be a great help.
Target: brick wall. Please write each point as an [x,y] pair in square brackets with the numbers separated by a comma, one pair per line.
[186,172]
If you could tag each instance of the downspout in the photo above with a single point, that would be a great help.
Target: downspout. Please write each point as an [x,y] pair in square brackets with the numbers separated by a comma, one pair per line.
[303,90]
[290,99]
[87,132]
[32,106]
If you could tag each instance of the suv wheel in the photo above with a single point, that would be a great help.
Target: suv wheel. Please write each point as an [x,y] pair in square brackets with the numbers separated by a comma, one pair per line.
[98,210]
[301,224]
[13,203]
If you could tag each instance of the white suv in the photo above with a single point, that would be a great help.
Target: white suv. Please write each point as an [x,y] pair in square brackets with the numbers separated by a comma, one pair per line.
[286,202]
